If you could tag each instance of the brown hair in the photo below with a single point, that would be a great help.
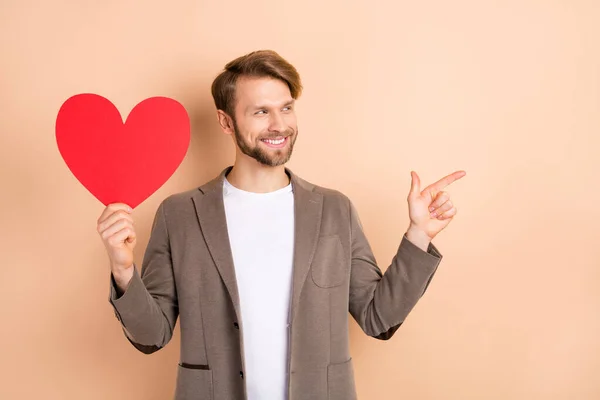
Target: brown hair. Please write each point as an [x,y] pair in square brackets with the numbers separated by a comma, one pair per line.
[261,63]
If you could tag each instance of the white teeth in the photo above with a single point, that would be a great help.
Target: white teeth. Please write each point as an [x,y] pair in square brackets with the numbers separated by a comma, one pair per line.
[274,141]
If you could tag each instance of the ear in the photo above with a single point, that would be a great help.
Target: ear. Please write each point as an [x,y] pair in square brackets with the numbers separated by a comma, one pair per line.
[225,121]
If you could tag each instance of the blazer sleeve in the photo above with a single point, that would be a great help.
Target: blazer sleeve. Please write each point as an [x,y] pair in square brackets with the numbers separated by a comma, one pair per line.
[381,302]
[148,308]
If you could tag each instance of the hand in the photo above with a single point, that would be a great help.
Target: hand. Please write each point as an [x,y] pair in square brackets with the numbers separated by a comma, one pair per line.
[115,227]
[431,210]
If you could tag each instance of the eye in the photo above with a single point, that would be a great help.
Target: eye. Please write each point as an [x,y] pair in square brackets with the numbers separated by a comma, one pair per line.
[260,112]
[287,108]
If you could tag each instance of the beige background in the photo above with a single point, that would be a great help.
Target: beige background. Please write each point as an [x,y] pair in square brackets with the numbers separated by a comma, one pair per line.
[508,91]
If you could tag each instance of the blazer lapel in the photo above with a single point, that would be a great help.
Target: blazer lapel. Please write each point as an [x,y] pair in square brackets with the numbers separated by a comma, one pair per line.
[308,208]
[213,224]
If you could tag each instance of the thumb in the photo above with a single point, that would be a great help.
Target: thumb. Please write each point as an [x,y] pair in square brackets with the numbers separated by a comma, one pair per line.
[415,184]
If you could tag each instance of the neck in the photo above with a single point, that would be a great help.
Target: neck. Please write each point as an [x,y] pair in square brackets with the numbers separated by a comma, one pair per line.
[252,176]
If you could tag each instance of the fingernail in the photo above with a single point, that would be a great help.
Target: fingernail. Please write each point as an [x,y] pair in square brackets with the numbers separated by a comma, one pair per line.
[431,208]
[433,214]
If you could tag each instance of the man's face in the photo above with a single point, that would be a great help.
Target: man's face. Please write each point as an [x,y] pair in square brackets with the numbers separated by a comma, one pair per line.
[265,121]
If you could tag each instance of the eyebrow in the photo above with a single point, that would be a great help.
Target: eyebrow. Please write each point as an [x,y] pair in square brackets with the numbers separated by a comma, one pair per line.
[260,106]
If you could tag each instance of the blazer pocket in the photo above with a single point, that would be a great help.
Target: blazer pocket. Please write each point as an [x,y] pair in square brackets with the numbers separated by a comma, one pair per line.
[329,263]
[194,382]
[340,381]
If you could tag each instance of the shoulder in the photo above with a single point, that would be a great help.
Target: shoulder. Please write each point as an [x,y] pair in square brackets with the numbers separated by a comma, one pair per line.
[184,199]
[178,204]
[330,195]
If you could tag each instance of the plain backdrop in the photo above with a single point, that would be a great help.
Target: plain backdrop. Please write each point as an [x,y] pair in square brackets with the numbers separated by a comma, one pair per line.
[508,91]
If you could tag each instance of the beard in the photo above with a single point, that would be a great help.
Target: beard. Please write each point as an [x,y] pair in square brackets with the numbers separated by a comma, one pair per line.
[268,157]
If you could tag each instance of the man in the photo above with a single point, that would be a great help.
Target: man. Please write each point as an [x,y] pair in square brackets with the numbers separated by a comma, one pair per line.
[262,266]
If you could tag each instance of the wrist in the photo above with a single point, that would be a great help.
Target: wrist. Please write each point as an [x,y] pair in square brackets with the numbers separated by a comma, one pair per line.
[418,237]
[122,277]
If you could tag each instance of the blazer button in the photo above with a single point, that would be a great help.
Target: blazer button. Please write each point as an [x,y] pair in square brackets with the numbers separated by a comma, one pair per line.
[236,325]
[242,374]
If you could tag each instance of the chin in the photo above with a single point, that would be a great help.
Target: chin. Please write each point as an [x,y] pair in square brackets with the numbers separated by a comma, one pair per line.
[275,162]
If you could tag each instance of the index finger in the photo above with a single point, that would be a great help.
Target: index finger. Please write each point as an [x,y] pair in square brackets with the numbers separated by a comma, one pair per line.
[445,181]
[112,208]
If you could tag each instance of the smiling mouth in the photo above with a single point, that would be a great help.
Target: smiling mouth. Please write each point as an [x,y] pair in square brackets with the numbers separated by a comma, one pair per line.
[276,143]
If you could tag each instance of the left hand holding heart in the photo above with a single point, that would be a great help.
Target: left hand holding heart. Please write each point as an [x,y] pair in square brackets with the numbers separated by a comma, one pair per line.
[431,209]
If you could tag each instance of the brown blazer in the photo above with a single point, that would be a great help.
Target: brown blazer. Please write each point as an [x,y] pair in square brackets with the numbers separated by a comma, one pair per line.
[188,271]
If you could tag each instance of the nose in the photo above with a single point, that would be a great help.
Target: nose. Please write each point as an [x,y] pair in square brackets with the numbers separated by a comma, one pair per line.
[277,123]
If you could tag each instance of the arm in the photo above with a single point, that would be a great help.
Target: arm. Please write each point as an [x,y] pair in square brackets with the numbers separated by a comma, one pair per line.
[148,309]
[381,302]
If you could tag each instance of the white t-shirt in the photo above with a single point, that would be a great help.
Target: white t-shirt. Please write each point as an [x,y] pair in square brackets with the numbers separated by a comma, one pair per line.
[261,234]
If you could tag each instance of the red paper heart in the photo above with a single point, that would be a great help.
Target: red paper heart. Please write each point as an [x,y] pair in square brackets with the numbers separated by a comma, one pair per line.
[122,162]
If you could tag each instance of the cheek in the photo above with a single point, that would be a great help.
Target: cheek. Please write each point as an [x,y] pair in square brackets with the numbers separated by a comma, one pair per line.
[252,128]
[291,121]
[258,128]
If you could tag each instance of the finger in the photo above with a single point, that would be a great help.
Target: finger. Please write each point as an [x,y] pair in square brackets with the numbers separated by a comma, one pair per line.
[448,214]
[415,184]
[434,188]
[111,208]
[442,209]
[440,198]
[119,237]
[116,227]
[114,217]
